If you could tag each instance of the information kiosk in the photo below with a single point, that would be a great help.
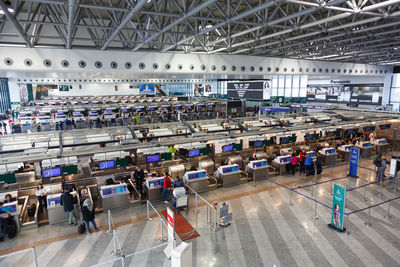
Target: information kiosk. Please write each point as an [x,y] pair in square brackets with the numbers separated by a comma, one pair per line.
[114,196]
[228,175]
[329,155]
[281,163]
[258,169]
[365,149]
[197,180]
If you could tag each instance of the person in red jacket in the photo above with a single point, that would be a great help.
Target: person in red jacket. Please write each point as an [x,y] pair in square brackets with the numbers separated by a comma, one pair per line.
[302,157]
[166,187]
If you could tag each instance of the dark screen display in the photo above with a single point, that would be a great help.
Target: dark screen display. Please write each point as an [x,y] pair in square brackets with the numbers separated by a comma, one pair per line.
[153,158]
[258,143]
[285,140]
[308,137]
[51,172]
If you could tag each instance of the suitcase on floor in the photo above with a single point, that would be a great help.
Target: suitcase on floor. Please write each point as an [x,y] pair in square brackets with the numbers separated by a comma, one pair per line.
[31,208]
[81,228]
[11,227]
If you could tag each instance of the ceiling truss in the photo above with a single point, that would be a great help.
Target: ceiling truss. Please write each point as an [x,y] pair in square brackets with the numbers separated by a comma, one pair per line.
[364,31]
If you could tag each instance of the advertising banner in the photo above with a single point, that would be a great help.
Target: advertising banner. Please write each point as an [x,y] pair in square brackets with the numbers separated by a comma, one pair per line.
[147,89]
[171,238]
[249,89]
[338,204]
[354,156]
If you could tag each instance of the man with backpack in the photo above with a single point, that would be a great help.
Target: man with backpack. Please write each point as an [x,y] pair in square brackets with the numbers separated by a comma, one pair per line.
[67,200]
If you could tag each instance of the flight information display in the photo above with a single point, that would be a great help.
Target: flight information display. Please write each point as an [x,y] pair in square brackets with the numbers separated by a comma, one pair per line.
[153,158]
[194,153]
[227,148]
[258,143]
[51,172]
[107,164]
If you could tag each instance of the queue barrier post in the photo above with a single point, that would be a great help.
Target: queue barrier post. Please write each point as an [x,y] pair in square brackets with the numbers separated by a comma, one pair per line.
[215,219]
[395,183]
[331,193]
[290,198]
[388,216]
[123,260]
[380,187]
[365,189]
[109,221]
[196,210]
[207,214]
[254,179]
[162,231]
[368,223]
[315,217]
[348,224]
[35,256]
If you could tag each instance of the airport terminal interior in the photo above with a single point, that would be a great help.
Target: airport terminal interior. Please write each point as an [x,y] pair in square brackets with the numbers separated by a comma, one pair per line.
[199,133]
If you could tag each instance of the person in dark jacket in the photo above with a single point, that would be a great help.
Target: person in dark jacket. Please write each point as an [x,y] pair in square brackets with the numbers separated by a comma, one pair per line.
[67,200]
[139,178]
[318,163]
[88,215]
[178,182]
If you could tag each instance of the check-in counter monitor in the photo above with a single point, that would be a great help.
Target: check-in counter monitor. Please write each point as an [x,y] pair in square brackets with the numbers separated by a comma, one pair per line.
[154,188]
[197,180]
[330,155]
[344,152]
[257,169]
[207,165]
[281,163]
[228,175]
[114,196]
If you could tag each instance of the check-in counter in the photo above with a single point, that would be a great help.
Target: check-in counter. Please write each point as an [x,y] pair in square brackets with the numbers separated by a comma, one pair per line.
[177,170]
[114,196]
[281,163]
[365,149]
[257,169]
[381,145]
[13,208]
[55,210]
[344,152]
[207,165]
[329,155]
[228,175]
[197,180]
[154,188]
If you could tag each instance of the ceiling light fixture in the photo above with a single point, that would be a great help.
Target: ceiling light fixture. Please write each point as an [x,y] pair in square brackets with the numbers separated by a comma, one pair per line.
[8,4]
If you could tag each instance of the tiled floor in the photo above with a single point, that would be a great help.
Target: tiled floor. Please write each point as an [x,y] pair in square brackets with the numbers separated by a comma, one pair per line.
[266,231]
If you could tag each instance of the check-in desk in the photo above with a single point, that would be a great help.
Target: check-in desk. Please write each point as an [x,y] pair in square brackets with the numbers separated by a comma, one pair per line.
[14,209]
[114,196]
[228,175]
[344,152]
[381,145]
[207,165]
[197,180]
[365,149]
[280,163]
[154,188]
[55,210]
[257,169]
[329,156]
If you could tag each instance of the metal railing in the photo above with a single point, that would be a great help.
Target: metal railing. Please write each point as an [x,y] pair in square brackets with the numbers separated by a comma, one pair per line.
[210,207]
[162,221]
[32,249]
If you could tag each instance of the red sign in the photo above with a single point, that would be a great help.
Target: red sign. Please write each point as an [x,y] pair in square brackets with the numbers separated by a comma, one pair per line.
[170,220]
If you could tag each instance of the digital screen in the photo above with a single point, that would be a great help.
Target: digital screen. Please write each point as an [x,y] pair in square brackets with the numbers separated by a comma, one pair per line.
[138,109]
[60,113]
[285,140]
[350,131]
[230,169]
[196,175]
[194,153]
[348,148]
[164,108]
[200,106]
[227,148]
[189,107]
[177,107]
[93,111]
[107,164]
[285,159]
[330,151]
[312,154]
[114,190]
[158,182]
[125,110]
[308,137]
[42,114]
[77,113]
[330,134]
[109,110]
[366,144]
[152,109]
[51,172]
[10,208]
[384,126]
[259,164]
[147,88]
[153,158]
[210,106]
[56,200]
[367,129]
[258,143]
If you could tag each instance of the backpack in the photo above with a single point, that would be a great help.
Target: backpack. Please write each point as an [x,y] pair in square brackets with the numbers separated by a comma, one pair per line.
[81,228]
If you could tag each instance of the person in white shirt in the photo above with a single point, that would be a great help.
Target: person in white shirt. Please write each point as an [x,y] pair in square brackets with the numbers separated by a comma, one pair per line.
[41,194]
[372,137]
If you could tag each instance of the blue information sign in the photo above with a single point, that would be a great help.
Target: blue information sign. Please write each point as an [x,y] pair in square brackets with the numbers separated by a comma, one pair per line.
[338,203]
[354,155]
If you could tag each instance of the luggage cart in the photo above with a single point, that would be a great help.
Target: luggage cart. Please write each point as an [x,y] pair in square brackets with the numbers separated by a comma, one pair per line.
[180,199]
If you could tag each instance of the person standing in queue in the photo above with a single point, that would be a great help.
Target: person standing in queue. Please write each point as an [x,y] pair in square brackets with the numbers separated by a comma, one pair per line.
[308,163]
[41,194]
[166,187]
[67,200]
[88,215]
[293,162]
[139,178]
[302,157]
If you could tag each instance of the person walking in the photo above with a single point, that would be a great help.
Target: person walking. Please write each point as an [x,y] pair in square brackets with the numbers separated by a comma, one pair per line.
[88,215]
[293,162]
[67,200]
